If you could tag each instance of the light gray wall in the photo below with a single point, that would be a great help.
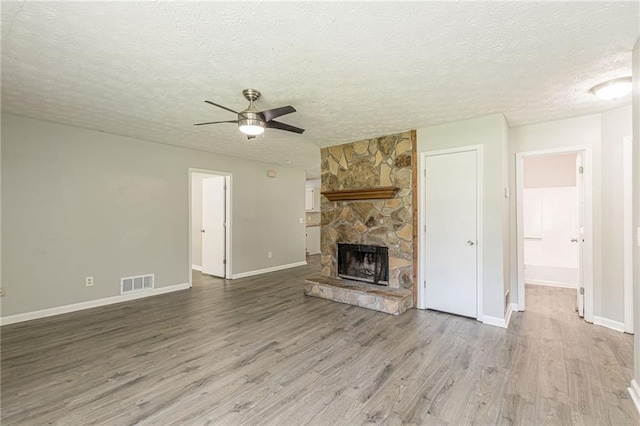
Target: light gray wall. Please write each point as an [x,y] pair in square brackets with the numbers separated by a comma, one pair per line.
[489,132]
[79,203]
[604,133]
[636,208]
[616,124]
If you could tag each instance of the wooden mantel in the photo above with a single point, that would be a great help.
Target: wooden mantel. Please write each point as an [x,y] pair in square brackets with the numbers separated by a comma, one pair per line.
[381,193]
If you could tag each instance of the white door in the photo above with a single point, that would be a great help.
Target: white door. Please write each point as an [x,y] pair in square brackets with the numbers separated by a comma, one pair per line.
[213,226]
[580,233]
[451,195]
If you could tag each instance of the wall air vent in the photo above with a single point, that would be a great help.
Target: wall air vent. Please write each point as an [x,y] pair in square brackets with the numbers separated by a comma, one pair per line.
[135,284]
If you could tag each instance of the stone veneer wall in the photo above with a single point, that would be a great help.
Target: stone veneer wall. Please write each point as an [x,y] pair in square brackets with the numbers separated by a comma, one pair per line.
[371,163]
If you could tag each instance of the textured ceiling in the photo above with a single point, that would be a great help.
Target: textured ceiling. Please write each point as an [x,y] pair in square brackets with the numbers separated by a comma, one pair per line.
[352,70]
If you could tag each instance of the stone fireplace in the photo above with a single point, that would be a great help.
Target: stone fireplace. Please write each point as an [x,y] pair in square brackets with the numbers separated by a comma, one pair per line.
[381,162]
[368,199]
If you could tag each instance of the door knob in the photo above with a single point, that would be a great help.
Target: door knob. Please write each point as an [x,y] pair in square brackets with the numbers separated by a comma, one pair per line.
[574,240]
[470,243]
[202,230]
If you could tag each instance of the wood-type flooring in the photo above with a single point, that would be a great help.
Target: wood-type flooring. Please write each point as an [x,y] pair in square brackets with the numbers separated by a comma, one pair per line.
[257,351]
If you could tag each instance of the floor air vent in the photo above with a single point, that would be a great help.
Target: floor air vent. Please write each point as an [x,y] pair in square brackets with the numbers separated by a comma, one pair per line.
[134,284]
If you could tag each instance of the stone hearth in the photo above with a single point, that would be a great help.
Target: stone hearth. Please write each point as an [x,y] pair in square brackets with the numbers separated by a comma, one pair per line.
[370,296]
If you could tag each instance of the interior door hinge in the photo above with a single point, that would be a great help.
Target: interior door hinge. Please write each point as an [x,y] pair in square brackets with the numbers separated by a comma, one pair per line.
[224,261]
[425,229]
[424,283]
[581,290]
[424,172]
[581,170]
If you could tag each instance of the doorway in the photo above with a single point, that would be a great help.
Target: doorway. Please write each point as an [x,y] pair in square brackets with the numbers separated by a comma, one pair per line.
[450,203]
[554,223]
[210,222]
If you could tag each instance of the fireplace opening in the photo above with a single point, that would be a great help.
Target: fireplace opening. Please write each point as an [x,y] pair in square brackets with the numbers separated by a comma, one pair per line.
[364,263]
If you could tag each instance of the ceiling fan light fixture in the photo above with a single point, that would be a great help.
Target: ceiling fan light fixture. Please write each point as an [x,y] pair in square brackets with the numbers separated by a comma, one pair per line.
[613,89]
[252,122]
[251,127]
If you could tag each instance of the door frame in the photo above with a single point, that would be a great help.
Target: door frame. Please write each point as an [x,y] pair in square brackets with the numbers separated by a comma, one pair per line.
[228,210]
[587,261]
[421,303]
[627,188]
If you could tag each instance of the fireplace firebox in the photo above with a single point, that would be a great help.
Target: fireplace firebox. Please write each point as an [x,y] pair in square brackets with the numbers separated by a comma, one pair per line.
[364,263]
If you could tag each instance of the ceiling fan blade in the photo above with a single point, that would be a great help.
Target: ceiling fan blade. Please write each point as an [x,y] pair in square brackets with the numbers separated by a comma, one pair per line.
[281,126]
[223,107]
[215,122]
[270,114]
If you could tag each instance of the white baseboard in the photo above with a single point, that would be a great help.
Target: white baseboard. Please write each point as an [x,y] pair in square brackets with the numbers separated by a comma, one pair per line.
[550,283]
[265,270]
[606,322]
[513,307]
[495,321]
[552,276]
[501,322]
[12,319]
[196,268]
[634,391]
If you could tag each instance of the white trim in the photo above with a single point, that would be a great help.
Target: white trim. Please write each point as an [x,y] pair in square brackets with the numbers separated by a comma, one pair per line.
[228,216]
[421,223]
[196,268]
[494,321]
[266,270]
[634,391]
[551,283]
[588,222]
[501,322]
[606,322]
[507,316]
[627,188]
[12,319]
[479,224]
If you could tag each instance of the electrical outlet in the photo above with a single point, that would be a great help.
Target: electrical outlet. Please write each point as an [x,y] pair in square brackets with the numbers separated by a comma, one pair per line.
[88,281]
[300,220]
[2,293]
[269,255]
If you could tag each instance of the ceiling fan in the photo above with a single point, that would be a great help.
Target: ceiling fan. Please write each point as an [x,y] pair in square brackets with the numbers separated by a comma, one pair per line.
[252,122]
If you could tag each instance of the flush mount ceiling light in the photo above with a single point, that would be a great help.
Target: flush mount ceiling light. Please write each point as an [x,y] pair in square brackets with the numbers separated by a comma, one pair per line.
[613,89]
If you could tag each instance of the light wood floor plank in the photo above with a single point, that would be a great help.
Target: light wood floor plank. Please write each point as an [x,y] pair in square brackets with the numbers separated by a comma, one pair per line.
[257,351]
